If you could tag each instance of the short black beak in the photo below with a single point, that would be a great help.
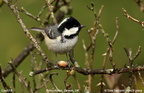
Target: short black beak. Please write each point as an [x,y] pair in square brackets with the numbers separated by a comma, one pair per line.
[82,26]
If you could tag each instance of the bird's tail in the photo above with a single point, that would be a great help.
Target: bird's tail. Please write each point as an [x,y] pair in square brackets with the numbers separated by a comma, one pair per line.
[37,29]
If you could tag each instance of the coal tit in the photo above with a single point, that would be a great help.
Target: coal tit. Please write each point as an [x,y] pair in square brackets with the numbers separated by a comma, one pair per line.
[61,38]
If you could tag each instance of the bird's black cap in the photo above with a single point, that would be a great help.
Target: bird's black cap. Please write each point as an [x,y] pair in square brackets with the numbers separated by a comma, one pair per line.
[68,23]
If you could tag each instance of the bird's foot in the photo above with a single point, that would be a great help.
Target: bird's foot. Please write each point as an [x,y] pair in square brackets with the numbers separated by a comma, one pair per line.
[68,63]
[57,66]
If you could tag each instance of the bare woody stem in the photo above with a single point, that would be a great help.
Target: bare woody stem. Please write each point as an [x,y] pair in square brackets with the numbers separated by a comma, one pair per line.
[86,71]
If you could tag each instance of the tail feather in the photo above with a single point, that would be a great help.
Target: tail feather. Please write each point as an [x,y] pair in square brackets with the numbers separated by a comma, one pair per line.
[37,29]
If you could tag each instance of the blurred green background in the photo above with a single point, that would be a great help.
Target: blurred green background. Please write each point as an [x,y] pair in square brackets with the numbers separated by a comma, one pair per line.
[131,34]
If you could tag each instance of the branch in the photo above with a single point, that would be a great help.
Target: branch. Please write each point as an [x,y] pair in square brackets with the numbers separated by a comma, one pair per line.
[22,79]
[51,10]
[131,18]
[4,84]
[129,54]
[93,34]
[50,77]
[16,62]
[86,71]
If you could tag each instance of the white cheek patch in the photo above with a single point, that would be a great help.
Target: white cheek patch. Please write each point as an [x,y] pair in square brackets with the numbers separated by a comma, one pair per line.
[71,31]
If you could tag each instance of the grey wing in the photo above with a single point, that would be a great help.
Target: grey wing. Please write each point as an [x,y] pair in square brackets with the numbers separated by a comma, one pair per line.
[52,32]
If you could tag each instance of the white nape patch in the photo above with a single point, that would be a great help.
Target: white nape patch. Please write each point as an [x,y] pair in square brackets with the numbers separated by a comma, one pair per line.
[63,21]
[71,31]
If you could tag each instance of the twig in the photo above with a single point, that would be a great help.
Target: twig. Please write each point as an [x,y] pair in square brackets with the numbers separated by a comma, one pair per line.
[51,10]
[71,56]
[78,84]
[41,11]
[131,18]
[131,60]
[135,81]
[65,81]
[33,64]
[21,79]
[43,81]
[109,50]
[129,54]
[30,15]
[137,53]
[86,54]
[140,77]
[96,22]
[14,83]
[37,18]
[92,34]
[5,85]
[117,31]
[50,77]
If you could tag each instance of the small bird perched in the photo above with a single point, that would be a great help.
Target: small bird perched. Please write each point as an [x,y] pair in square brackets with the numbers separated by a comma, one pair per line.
[61,38]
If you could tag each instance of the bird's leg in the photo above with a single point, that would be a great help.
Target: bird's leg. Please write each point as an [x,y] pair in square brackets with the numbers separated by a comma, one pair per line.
[68,60]
[56,61]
